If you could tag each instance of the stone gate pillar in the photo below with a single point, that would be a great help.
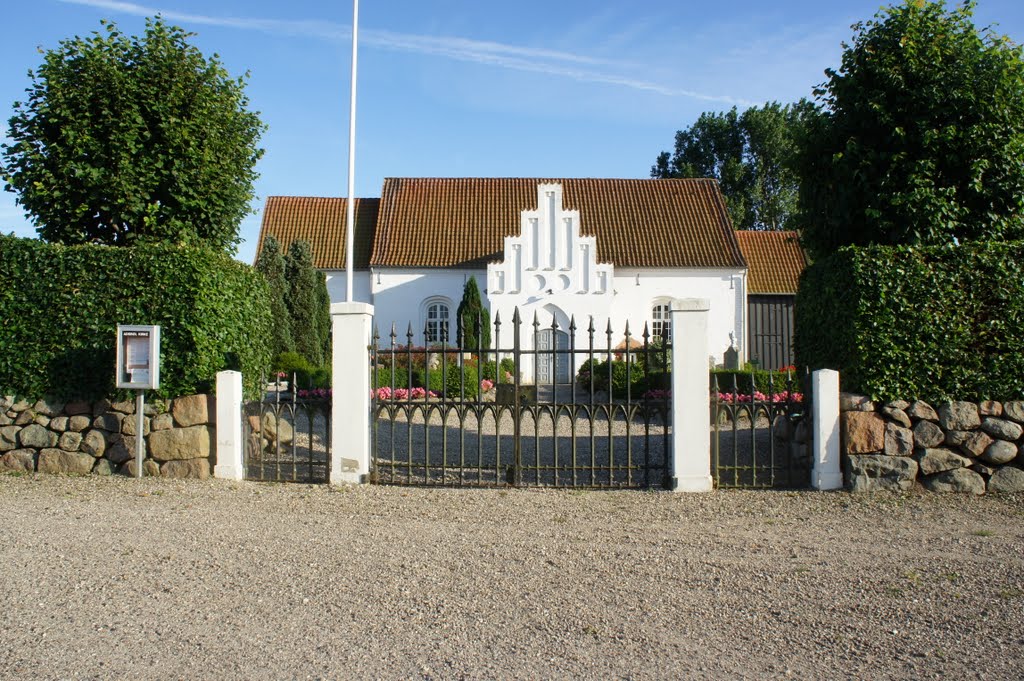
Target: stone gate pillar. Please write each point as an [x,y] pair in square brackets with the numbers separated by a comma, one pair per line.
[690,462]
[351,327]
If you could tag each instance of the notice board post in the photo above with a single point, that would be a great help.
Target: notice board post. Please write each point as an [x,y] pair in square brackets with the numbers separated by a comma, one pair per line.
[138,369]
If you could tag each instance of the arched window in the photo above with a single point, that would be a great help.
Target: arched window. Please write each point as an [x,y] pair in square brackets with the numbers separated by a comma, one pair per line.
[436,327]
[662,326]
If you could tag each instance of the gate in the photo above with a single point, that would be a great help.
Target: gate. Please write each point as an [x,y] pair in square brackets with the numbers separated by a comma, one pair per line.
[758,439]
[463,417]
[287,435]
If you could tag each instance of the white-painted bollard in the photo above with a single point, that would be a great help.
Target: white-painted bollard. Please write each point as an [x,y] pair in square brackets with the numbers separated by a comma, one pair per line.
[229,426]
[690,462]
[350,388]
[826,473]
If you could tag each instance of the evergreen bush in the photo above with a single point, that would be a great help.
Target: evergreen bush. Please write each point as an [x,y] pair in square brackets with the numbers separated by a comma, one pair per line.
[61,306]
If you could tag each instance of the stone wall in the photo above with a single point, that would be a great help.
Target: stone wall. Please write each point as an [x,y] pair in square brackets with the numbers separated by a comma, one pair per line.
[953,447]
[99,438]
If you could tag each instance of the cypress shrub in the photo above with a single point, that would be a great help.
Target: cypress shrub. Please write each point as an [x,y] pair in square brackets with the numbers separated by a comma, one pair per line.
[271,264]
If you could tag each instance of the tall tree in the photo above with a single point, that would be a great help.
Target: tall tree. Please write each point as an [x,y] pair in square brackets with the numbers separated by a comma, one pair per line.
[471,311]
[306,305]
[271,264]
[123,138]
[920,134]
[750,154]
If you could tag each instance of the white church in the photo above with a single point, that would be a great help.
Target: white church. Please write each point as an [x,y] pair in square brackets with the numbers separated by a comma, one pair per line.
[607,250]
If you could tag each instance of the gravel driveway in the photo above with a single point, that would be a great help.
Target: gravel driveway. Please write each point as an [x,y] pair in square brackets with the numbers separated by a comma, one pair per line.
[118,578]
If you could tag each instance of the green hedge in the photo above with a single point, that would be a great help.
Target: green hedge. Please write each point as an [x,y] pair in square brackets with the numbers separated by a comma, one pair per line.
[746,381]
[61,305]
[917,323]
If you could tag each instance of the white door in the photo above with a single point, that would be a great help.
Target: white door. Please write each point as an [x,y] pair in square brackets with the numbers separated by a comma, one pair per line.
[548,355]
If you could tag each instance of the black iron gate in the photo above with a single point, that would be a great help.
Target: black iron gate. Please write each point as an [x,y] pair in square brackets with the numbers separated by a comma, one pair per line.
[287,435]
[759,439]
[449,415]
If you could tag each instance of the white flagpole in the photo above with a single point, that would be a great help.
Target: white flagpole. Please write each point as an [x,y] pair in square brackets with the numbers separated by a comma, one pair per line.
[351,203]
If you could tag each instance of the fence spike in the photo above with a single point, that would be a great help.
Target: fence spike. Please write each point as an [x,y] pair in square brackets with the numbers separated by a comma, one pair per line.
[646,334]
[536,322]
[590,328]
[409,334]
[572,325]
[554,322]
[516,319]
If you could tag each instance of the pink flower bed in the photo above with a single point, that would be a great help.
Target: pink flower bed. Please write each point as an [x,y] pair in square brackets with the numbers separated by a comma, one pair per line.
[386,393]
[784,396]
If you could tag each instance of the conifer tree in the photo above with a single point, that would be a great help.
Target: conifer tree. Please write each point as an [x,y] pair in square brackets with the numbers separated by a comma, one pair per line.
[469,309]
[271,264]
[304,302]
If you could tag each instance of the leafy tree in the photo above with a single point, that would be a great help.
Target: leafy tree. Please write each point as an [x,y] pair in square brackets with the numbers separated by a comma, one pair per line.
[126,138]
[271,264]
[920,134]
[305,304]
[750,154]
[470,309]
[323,316]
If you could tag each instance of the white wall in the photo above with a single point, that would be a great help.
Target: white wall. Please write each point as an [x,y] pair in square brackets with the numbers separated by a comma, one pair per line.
[360,284]
[400,297]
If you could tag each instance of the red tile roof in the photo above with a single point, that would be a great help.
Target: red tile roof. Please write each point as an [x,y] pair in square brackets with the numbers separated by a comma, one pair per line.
[321,222]
[461,222]
[775,259]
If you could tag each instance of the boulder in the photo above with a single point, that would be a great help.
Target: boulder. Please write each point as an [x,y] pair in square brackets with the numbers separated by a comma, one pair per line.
[19,406]
[59,424]
[78,423]
[897,415]
[103,467]
[959,415]
[94,443]
[25,417]
[279,430]
[931,461]
[960,480]
[125,407]
[927,434]
[61,462]
[1002,429]
[999,452]
[9,438]
[194,410]
[872,473]
[976,443]
[37,437]
[69,441]
[18,460]
[198,469]
[956,438]
[108,422]
[41,420]
[1014,411]
[921,411]
[48,408]
[120,449]
[150,468]
[990,408]
[161,422]
[1007,480]
[852,402]
[5,420]
[100,407]
[901,405]
[899,441]
[983,470]
[128,425]
[176,444]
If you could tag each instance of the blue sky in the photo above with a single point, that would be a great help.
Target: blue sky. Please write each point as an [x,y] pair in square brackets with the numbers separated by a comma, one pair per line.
[576,88]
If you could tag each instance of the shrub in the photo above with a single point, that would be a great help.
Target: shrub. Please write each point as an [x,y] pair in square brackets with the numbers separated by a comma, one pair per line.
[450,381]
[928,323]
[747,381]
[489,370]
[61,306]
[622,374]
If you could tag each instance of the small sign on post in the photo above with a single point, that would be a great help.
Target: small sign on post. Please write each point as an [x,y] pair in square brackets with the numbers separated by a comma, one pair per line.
[138,368]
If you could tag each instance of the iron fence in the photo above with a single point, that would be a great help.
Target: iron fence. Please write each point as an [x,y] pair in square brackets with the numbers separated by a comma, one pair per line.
[590,417]
[287,434]
[755,439]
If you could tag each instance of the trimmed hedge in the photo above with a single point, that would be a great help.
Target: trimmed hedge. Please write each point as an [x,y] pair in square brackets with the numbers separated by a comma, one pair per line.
[746,381]
[907,323]
[61,306]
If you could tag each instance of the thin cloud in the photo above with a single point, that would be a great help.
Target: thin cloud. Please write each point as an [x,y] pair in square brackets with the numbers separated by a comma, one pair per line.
[512,57]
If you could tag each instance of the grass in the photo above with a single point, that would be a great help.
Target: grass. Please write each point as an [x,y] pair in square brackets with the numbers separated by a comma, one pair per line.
[983,533]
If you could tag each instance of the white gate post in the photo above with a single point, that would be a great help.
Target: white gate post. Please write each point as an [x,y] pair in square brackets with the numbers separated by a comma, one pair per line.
[691,435]
[351,326]
[229,426]
[826,473]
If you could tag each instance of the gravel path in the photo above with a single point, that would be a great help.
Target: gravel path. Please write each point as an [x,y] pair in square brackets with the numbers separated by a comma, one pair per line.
[118,578]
